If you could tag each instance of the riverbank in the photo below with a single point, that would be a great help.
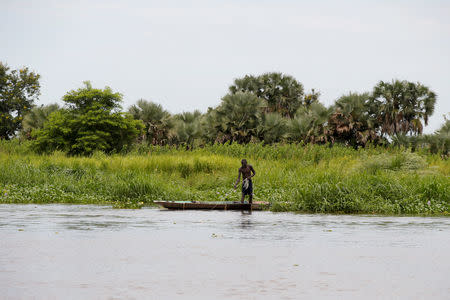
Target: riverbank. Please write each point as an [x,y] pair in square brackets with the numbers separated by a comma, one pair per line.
[311,178]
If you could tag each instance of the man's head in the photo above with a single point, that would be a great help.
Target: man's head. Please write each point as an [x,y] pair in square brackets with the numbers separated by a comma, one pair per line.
[244,162]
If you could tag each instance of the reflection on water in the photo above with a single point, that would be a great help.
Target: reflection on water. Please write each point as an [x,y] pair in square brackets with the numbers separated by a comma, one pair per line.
[92,252]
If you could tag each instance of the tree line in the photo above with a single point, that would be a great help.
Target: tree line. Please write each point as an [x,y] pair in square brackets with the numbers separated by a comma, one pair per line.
[268,108]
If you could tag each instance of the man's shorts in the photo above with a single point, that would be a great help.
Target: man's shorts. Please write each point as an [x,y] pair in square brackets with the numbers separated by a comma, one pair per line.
[249,189]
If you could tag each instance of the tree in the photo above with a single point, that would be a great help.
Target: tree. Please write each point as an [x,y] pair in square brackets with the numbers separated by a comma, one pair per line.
[85,98]
[439,142]
[18,91]
[400,106]
[444,131]
[187,128]
[311,98]
[283,93]
[309,124]
[157,121]
[238,116]
[272,127]
[211,128]
[351,123]
[408,141]
[90,122]
[36,118]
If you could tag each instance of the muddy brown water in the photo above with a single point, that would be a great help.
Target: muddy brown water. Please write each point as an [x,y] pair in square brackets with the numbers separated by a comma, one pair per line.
[95,252]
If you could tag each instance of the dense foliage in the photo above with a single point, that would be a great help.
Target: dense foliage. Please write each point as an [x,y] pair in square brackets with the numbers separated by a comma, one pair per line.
[283,93]
[268,108]
[299,146]
[351,121]
[91,122]
[400,106]
[36,118]
[439,142]
[272,108]
[157,121]
[18,91]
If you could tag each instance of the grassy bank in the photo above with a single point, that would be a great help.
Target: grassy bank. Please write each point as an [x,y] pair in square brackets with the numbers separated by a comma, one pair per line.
[293,178]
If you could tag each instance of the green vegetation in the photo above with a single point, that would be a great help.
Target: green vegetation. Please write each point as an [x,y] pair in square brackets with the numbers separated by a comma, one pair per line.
[363,154]
[18,91]
[36,118]
[90,123]
[269,108]
[311,178]
[283,93]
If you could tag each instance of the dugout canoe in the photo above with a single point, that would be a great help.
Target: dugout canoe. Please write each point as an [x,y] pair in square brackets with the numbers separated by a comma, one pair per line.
[228,205]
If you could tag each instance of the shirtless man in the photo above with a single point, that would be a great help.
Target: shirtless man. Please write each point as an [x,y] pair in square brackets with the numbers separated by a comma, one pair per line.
[247,187]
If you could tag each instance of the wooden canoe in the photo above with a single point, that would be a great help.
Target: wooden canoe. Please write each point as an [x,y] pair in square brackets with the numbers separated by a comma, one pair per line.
[228,205]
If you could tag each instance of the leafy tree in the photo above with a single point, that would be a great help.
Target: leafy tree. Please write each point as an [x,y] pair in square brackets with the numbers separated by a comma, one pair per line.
[351,123]
[238,116]
[91,122]
[36,118]
[57,133]
[157,121]
[83,99]
[18,91]
[283,93]
[400,106]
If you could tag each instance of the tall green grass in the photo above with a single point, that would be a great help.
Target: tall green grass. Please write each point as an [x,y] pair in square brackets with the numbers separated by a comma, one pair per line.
[311,178]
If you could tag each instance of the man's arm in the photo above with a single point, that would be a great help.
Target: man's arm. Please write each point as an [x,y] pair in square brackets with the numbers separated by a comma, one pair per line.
[253,171]
[239,178]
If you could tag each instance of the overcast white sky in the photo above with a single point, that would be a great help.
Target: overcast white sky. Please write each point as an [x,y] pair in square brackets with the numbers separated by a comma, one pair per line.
[185,54]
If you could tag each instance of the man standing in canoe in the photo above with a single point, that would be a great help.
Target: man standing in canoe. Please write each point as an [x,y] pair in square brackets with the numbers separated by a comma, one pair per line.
[247,172]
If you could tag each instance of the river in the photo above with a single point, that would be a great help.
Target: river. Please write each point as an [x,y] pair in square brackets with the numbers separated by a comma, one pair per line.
[95,252]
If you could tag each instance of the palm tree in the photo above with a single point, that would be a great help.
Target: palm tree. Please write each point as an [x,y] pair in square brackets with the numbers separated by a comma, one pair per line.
[400,106]
[238,116]
[283,93]
[272,127]
[36,118]
[188,128]
[351,122]
[438,142]
[300,128]
[309,124]
[188,117]
[442,139]
[211,128]
[157,121]
[311,98]
[409,141]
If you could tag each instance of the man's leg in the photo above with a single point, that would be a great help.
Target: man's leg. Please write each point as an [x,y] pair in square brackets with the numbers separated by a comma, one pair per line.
[250,192]
[242,198]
